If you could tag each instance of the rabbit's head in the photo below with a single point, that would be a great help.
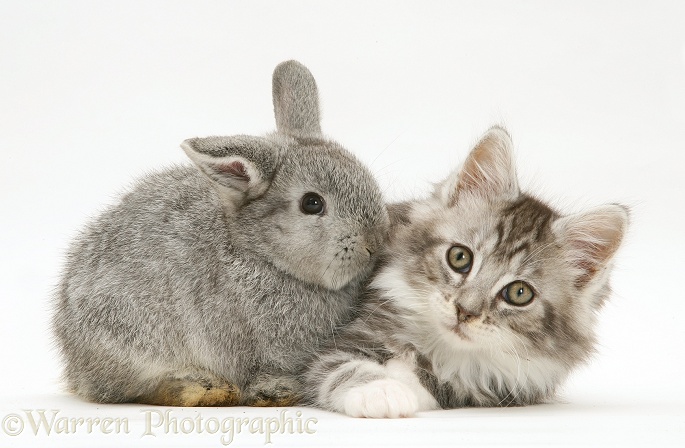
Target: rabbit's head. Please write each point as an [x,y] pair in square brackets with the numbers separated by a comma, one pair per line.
[293,197]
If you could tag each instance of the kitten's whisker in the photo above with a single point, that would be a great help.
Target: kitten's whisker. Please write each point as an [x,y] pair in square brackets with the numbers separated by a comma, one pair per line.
[385,149]
[515,387]
[525,347]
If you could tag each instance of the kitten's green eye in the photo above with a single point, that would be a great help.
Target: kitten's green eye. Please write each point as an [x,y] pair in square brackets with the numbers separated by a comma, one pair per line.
[460,259]
[518,293]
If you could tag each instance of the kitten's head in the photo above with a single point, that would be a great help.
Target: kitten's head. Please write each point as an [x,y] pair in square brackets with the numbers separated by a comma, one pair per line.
[495,286]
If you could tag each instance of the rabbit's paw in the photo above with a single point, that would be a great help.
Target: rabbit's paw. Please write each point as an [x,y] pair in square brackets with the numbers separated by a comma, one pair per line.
[386,398]
[272,391]
[193,392]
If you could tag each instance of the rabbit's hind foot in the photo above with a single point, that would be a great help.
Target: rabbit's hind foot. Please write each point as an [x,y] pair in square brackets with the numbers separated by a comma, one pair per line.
[272,391]
[192,392]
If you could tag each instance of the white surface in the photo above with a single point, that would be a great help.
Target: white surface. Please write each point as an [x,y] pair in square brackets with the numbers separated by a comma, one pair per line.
[93,94]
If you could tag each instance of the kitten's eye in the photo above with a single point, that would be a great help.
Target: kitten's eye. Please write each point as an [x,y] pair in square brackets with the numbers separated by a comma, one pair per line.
[312,204]
[518,293]
[460,259]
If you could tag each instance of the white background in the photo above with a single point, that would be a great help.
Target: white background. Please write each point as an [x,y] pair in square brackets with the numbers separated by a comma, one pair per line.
[94,94]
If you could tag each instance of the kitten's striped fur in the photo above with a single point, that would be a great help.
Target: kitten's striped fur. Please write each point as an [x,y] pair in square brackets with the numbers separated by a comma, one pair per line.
[429,337]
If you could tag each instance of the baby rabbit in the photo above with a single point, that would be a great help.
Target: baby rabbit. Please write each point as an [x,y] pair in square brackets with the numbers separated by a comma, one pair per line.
[207,285]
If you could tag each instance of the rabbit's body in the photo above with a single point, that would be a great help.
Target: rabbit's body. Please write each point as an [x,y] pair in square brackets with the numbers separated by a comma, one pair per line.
[196,283]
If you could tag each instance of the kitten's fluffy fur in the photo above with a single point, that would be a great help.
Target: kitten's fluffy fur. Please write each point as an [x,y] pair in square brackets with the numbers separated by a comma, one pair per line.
[431,337]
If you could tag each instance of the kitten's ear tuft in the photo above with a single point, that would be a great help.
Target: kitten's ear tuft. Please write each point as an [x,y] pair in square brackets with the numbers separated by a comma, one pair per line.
[592,238]
[488,171]
[240,167]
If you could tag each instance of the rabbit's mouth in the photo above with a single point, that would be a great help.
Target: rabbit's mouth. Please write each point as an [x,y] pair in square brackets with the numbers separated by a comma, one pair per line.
[349,263]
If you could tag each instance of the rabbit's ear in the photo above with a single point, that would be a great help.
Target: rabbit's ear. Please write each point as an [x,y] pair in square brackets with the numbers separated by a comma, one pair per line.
[296,100]
[241,166]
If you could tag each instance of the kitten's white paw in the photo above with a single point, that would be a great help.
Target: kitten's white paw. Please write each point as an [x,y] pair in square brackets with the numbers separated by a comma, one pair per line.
[385,398]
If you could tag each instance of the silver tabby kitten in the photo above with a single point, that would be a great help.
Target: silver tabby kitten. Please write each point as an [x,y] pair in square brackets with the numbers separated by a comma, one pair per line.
[486,297]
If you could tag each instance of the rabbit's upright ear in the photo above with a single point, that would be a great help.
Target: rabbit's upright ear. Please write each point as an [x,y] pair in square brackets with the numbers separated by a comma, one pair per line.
[296,100]
[240,166]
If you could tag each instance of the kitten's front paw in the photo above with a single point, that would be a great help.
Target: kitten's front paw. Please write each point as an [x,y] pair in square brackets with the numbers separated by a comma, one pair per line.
[385,398]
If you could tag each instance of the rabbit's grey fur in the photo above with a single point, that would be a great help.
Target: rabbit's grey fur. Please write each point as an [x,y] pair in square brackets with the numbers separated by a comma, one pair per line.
[207,284]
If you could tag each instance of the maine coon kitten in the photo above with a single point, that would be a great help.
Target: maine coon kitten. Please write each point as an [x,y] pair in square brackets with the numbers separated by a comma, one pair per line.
[486,297]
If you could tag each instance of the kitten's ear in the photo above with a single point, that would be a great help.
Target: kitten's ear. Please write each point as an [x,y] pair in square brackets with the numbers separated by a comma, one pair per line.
[591,238]
[240,167]
[488,171]
[296,100]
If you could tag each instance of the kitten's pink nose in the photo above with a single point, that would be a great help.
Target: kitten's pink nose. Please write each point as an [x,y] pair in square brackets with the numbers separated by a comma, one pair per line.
[464,315]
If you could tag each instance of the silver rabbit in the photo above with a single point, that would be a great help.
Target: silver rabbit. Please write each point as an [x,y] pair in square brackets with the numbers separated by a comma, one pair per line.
[210,284]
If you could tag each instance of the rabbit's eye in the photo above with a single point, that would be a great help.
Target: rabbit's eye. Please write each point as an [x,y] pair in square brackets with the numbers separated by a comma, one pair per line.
[312,204]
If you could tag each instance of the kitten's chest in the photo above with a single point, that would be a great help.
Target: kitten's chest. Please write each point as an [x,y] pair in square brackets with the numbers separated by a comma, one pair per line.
[471,381]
